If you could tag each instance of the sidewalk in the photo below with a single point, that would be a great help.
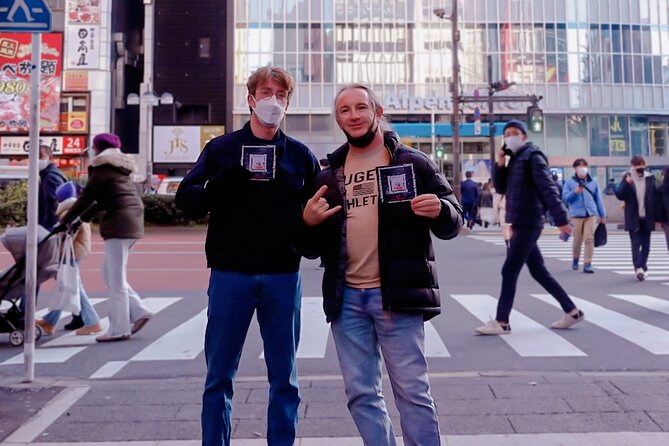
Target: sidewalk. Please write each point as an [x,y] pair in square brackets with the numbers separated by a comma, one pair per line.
[522,408]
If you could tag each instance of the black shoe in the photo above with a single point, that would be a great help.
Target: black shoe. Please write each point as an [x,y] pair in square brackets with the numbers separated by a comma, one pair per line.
[77,322]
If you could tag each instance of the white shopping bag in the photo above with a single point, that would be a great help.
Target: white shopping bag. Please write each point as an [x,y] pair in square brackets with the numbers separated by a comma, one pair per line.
[66,295]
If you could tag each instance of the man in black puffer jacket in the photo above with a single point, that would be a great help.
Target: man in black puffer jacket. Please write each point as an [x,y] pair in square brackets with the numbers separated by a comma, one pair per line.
[530,191]
[380,281]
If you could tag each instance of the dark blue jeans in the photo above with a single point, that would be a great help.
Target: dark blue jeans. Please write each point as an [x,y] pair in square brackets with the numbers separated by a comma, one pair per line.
[233,298]
[523,249]
[640,246]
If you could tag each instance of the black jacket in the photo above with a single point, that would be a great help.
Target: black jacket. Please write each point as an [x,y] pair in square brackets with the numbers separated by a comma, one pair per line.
[252,224]
[407,265]
[530,191]
[49,180]
[627,193]
[110,185]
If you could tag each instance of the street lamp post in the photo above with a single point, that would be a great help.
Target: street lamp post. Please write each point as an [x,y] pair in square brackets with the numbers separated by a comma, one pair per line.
[455,94]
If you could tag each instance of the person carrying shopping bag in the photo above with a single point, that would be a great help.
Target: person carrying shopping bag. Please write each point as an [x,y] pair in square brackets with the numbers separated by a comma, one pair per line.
[66,195]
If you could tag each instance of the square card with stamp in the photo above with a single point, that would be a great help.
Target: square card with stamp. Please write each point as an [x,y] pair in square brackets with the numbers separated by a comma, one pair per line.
[260,161]
[396,183]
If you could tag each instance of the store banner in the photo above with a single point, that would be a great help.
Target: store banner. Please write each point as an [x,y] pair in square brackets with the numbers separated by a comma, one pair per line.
[83,11]
[15,68]
[60,145]
[83,47]
[181,144]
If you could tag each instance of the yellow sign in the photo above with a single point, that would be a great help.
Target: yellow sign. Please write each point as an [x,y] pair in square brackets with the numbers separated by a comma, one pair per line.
[77,122]
[209,132]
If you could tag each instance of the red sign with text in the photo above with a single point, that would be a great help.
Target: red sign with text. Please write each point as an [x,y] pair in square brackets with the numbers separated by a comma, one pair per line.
[15,69]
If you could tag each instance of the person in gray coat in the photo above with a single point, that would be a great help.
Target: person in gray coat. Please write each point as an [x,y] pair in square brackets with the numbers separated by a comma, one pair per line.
[121,215]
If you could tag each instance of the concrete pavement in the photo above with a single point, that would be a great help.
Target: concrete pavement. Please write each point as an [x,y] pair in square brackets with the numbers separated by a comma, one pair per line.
[533,408]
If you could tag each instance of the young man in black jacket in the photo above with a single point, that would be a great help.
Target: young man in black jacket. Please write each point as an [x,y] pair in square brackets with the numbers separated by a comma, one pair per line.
[529,189]
[380,281]
[251,252]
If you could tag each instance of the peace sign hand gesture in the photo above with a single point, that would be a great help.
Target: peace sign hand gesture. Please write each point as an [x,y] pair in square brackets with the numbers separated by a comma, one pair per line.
[317,209]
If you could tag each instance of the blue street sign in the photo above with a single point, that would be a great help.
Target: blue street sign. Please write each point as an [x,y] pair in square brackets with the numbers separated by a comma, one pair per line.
[33,16]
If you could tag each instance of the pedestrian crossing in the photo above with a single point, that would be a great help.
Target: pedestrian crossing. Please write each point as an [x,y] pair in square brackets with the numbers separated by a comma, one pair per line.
[641,320]
[615,256]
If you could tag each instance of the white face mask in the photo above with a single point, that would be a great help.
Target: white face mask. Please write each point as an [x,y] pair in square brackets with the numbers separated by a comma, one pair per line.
[514,143]
[269,111]
[582,171]
[42,164]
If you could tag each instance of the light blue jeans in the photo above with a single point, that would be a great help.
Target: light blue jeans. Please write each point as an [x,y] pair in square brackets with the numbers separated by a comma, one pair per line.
[88,313]
[124,304]
[362,333]
[233,299]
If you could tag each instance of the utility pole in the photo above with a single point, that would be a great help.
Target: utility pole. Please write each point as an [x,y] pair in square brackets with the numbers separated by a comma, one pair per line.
[455,40]
[491,114]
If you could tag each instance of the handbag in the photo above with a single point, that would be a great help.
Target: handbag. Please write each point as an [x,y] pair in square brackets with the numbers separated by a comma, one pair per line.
[600,235]
[66,296]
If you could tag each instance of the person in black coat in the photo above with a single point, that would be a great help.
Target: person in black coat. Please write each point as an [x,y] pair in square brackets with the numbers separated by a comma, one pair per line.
[380,281]
[637,190]
[529,190]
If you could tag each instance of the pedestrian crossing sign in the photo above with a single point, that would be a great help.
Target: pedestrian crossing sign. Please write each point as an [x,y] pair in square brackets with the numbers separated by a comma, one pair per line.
[32,16]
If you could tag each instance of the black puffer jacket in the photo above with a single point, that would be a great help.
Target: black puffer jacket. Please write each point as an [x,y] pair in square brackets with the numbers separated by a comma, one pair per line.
[408,271]
[529,189]
[110,185]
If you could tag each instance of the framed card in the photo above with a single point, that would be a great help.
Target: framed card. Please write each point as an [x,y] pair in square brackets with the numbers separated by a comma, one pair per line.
[396,183]
[260,161]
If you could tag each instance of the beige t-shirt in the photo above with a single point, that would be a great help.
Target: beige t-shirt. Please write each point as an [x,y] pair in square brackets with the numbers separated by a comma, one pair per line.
[362,218]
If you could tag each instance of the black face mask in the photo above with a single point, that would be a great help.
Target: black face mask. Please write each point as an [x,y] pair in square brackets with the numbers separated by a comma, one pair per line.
[364,140]
[640,170]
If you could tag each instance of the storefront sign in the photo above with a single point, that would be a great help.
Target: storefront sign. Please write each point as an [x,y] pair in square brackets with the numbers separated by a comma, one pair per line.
[181,144]
[15,68]
[60,145]
[402,101]
[77,122]
[617,144]
[83,11]
[83,47]
[75,81]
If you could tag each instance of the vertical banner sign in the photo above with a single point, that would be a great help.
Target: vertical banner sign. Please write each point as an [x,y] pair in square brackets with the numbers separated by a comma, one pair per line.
[617,140]
[15,68]
[83,34]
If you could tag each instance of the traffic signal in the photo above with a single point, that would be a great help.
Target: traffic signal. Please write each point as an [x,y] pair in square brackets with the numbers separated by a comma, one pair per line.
[439,152]
[535,119]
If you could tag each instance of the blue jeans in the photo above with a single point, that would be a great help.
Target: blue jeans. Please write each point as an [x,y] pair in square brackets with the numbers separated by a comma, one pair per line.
[88,313]
[361,333]
[233,298]
[523,249]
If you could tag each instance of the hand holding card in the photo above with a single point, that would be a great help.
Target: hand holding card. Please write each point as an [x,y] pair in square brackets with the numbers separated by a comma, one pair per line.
[396,183]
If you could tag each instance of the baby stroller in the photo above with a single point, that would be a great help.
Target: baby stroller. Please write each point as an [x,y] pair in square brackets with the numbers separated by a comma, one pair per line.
[12,279]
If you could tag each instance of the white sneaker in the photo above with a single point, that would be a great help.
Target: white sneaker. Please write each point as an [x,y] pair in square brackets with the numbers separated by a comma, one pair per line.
[640,274]
[492,327]
[568,320]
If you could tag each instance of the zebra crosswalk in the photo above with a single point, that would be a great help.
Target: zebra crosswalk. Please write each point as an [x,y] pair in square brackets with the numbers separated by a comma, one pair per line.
[615,256]
[641,320]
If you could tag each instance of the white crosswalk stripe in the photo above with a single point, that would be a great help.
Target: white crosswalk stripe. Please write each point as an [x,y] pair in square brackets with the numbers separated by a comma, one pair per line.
[184,341]
[615,256]
[529,339]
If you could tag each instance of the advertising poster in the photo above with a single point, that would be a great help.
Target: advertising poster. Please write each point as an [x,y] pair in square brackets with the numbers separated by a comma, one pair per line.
[15,69]
[83,34]
[181,144]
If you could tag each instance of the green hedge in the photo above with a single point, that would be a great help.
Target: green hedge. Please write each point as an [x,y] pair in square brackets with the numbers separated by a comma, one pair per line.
[158,209]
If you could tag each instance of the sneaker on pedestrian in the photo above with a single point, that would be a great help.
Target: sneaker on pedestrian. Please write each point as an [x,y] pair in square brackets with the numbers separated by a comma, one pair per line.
[640,274]
[89,330]
[492,327]
[568,320]
[587,268]
[46,327]
[76,322]
[574,264]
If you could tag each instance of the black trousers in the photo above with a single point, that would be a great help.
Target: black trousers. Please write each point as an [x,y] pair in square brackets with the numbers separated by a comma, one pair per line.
[640,246]
[523,249]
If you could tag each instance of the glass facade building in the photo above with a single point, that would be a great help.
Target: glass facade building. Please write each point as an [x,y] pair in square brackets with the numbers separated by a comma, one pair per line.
[601,66]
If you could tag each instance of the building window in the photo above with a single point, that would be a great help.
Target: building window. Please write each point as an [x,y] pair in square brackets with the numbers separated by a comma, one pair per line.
[639,136]
[577,131]
[658,138]
[599,135]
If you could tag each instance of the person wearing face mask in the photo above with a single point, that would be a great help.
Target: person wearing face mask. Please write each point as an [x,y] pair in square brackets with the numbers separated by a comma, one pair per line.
[530,191]
[380,282]
[50,178]
[637,190]
[251,251]
[586,209]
